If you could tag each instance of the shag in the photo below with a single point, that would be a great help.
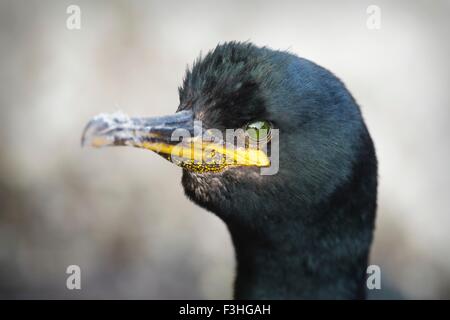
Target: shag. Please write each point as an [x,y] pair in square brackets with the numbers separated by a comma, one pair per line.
[302,233]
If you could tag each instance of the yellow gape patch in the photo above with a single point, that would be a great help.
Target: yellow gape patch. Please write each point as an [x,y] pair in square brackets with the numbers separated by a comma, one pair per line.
[203,157]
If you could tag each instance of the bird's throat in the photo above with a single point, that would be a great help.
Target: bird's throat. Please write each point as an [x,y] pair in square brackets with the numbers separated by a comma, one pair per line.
[301,271]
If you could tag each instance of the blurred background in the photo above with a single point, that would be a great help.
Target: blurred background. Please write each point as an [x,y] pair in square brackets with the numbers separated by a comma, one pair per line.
[121,215]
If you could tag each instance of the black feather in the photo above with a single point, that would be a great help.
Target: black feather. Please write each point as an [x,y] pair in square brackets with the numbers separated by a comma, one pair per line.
[306,231]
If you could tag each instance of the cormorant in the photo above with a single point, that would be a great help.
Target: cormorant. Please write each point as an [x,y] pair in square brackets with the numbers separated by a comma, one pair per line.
[304,232]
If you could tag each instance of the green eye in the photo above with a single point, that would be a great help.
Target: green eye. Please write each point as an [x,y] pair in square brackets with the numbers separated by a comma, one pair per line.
[258,130]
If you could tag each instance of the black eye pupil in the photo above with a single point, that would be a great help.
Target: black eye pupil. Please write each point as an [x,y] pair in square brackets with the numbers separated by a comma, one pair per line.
[258,130]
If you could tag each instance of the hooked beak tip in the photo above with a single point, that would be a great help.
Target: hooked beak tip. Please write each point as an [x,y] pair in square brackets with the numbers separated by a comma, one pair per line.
[102,130]
[83,135]
[89,133]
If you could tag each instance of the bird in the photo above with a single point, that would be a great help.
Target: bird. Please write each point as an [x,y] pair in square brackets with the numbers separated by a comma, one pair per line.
[305,231]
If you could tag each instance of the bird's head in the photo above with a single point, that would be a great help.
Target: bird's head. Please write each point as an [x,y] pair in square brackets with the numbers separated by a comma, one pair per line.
[256,131]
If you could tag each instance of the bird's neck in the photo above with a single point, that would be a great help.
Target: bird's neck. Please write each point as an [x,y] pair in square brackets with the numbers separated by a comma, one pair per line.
[315,252]
[300,271]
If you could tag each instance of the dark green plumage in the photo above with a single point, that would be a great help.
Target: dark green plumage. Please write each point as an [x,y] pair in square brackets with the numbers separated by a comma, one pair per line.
[306,231]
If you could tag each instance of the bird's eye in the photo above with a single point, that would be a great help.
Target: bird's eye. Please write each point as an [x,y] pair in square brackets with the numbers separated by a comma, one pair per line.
[259,130]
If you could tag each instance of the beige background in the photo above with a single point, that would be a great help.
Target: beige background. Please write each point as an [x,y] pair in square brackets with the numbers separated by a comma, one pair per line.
[121,214]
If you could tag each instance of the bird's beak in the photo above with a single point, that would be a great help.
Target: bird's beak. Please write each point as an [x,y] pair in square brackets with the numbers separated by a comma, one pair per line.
[176,137]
